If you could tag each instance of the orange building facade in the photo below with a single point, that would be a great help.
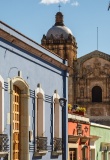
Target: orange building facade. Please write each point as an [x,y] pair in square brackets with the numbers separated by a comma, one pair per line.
[78,137]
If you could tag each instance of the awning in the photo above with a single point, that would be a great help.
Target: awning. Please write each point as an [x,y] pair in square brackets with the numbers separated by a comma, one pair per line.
[105,146]
[84,139]
[94,138]
[73,139]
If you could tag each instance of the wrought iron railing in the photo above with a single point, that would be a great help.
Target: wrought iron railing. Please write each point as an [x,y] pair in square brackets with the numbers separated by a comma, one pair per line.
[57,144]
[4,147]
[41,144]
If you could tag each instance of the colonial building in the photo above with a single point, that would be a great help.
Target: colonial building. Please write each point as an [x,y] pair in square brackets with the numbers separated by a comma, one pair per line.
[100,142]
[32,80]
[89,80]
[87,141]
[78,137]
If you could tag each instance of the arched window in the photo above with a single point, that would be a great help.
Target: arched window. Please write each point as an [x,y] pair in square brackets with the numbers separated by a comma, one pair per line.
[96,94]
[40,112]
[57,121]
[82,92]
[57,124]
[40,116]
[57,116]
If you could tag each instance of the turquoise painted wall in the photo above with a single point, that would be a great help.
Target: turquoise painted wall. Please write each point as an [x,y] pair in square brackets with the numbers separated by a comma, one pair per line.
[104,133]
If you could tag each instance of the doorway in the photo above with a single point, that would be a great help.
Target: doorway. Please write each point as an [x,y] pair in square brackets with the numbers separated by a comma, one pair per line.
[16,123]
[72,154]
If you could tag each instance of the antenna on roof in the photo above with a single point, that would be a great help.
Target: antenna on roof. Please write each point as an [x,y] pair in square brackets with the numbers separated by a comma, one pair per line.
[109,6]
[97,38]
[59,7]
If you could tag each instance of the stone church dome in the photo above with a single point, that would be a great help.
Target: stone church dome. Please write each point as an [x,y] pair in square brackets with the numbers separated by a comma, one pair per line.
[60,40]
[59,30]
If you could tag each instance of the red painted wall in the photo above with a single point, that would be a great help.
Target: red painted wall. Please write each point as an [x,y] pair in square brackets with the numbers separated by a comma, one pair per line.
[75,128]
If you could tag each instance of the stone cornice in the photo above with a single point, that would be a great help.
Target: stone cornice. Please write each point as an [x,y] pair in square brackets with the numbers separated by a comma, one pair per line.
[93,54]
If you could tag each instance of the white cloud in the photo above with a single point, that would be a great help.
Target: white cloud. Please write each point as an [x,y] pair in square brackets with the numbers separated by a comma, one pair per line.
[53,1]
[75,3]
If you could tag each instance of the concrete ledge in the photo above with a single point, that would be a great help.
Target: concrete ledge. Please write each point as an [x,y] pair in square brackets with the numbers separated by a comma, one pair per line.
[40,153]
[56,153]
[3,154]
[79,118]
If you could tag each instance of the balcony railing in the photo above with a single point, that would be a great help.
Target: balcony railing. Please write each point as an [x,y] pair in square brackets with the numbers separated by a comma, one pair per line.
[57,144]
[41,144]
[4,143]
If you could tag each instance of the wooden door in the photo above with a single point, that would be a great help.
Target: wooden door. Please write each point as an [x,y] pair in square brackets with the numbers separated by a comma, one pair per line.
[16,123]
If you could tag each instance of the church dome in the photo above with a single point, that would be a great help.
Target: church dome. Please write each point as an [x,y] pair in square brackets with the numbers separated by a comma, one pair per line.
[59,29]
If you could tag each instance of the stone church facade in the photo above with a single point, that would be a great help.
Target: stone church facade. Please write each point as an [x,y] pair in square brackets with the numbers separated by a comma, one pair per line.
[92,85]
[89,80]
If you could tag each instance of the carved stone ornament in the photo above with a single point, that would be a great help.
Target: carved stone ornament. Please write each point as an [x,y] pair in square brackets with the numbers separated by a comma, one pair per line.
[96,112]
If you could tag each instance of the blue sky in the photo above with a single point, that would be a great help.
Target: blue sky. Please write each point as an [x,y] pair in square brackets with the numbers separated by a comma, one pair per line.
[33,18]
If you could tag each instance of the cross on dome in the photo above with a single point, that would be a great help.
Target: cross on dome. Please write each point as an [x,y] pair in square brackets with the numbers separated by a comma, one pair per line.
[59,7]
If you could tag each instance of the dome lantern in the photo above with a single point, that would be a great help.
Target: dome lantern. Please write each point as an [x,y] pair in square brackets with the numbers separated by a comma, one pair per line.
[59,19]
[59,28]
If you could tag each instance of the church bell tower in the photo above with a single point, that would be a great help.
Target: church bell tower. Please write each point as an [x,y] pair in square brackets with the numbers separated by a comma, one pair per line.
[60,40]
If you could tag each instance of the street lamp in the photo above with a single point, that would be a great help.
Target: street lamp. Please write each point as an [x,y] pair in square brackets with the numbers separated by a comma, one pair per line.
[62,102]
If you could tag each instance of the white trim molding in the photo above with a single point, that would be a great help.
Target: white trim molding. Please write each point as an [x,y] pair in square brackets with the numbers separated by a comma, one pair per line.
[1,105]
[40,94]
[56,116]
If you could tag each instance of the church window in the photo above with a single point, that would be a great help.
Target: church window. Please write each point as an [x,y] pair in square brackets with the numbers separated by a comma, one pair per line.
[96,94]
[81,92]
